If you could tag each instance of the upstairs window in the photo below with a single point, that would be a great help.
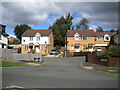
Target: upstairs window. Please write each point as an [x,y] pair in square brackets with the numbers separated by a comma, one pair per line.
[84,38]
[31,38]
[106,37]
[99,38]
[72,47]
[76,36]
[38,38]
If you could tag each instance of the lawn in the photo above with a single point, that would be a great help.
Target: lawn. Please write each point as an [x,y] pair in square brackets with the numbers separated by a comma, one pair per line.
[110,70]
[10,64]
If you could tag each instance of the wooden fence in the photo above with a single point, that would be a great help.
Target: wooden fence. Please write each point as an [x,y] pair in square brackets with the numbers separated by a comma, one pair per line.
[110,62]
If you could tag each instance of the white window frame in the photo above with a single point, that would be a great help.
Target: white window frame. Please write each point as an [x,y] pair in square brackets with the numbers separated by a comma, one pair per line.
[99,38]
[83,38]
[108,36]
[84,47]
[31,38]
[76,36]
[26,47]
[37,38]
[71,47]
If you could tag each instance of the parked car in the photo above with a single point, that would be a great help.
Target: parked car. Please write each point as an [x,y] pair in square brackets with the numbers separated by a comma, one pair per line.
[54,52]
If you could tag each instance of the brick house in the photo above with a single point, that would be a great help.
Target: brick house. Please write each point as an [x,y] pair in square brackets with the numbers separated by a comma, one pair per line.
[39,40]
[87,40]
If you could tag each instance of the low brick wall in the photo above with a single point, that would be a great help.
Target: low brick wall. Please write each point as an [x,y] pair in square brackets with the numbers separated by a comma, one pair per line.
[110,62]
[10,54]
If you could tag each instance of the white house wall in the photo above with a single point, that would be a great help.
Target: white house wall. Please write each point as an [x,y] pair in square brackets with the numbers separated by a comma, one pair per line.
[4,40]
[34,41]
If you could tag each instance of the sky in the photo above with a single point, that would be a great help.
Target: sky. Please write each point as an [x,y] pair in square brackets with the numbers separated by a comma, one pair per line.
[41,15]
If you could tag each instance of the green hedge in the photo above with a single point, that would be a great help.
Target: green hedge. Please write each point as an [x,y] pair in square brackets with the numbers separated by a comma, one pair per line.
[112,51]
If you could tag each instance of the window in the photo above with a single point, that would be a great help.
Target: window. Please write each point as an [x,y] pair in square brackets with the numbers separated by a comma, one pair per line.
[31,38]
[84,47]
[84,38]
[106,37]
[38,38]
[42,47]
[26,47]
[76,36]
[72,47]
[99,38]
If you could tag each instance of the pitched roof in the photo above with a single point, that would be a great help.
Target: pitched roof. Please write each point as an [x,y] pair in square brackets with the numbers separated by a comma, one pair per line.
[104,32]
[80,32]
[71,33]
[43,32]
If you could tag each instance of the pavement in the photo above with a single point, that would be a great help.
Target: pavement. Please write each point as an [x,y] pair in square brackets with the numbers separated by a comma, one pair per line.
[94,66]
[58,72]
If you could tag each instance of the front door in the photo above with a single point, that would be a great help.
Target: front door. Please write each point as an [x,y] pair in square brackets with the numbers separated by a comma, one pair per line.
[77,48]
[37,50]
[91,49]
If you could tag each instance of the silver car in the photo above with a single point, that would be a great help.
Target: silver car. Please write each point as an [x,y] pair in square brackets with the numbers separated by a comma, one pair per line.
[54,52]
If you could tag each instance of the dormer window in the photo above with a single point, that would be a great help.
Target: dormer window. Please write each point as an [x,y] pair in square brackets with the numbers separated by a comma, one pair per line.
[38,36]
[106,37]
[76,36]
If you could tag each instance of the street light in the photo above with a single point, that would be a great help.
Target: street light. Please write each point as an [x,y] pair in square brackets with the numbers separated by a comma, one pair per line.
[65,46]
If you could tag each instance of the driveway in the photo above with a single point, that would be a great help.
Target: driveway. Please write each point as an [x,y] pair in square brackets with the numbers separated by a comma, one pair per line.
[58,72]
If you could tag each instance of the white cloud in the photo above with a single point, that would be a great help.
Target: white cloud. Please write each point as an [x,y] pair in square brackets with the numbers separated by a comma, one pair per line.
[93,27]
[34,13]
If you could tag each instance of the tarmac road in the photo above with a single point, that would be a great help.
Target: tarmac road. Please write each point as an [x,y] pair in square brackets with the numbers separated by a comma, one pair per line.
[57,72]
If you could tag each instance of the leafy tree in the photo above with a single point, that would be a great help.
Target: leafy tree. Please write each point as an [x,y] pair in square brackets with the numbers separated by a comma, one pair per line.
[82,24]
[60,27]
[99,29]
[112,30]
[20,29]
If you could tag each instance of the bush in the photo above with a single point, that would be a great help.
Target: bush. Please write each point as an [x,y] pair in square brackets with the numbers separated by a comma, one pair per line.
[33,51]
[19,50]
[112,51]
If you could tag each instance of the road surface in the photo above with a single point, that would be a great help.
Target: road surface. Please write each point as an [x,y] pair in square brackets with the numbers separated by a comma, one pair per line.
[57,72]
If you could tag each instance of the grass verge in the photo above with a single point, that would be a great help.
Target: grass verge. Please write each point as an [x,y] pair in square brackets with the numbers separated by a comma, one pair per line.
[10,64]
[110,70]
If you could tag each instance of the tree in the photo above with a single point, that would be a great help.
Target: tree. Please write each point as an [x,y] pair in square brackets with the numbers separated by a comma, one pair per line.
[60,27]
[20,29]
[99,29]
[112,30]
[82,24]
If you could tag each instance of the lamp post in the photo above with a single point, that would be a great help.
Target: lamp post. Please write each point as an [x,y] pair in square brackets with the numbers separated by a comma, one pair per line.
[45,47]
[65,46]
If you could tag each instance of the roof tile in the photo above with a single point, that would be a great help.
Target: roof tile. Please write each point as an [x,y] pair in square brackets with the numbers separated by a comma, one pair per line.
[43,32]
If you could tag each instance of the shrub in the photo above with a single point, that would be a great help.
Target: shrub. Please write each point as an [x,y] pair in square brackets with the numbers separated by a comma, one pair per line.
[112,51]
[32,51]
[19,50]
